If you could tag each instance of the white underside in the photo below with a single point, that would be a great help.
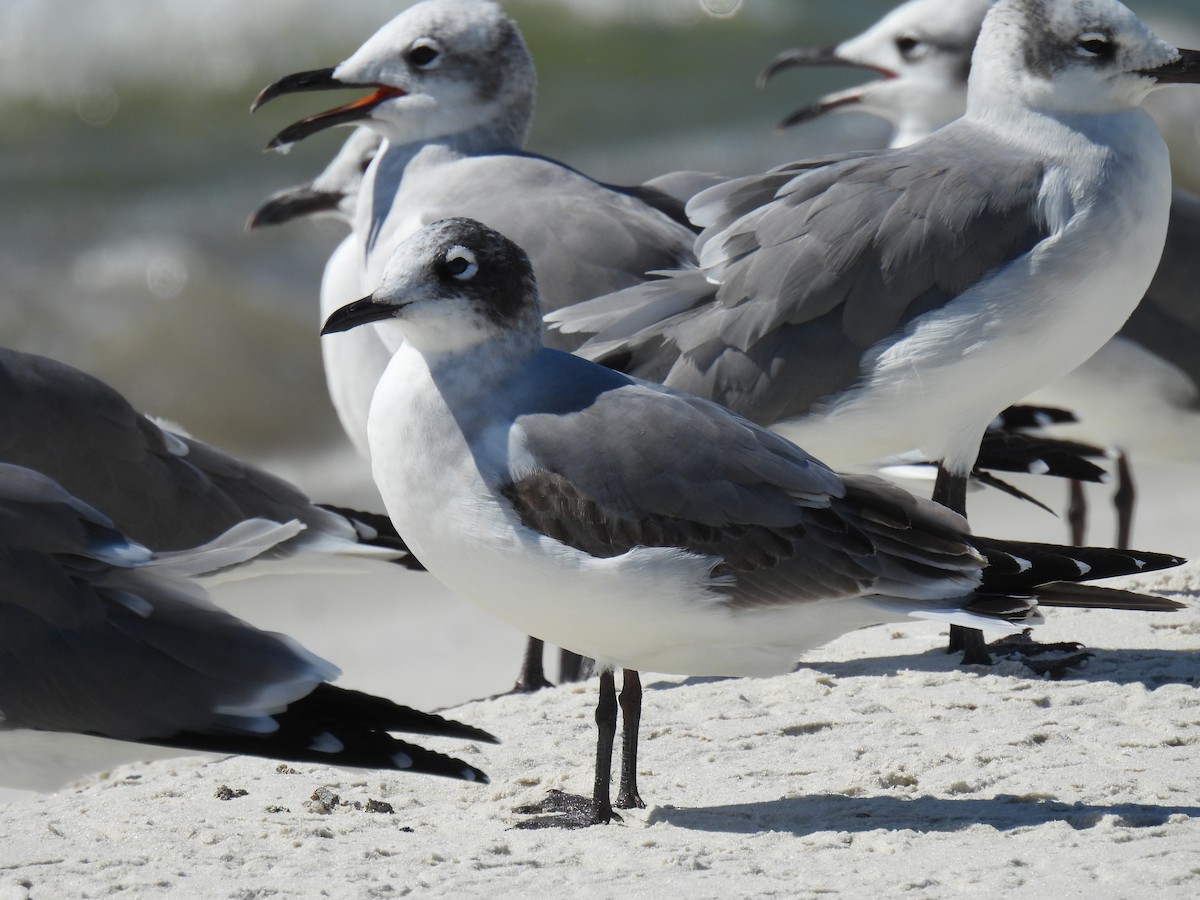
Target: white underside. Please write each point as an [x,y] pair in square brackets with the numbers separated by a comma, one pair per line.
[939,384]
[650,608]
[354,360]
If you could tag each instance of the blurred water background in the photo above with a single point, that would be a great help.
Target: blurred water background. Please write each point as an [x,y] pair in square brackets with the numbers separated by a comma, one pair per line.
[129,162]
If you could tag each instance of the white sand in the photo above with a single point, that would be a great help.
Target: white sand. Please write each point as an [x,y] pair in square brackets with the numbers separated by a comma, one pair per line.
[878,769]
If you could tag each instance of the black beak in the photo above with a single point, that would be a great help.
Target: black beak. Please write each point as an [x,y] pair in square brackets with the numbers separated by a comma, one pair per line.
[293,203]
[300,82]
[360,312]
[1185,70]
[809,57]
[806,57]
[321,80]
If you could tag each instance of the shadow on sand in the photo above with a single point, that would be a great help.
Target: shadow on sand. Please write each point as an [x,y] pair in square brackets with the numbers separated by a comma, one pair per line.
[839,813]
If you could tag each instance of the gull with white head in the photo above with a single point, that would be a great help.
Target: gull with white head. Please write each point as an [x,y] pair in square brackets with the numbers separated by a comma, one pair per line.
[872,304]
[1139,391]
[452,89]
[642,526]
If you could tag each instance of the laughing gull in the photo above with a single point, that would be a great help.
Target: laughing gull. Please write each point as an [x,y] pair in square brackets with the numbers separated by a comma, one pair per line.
[453,89]
[875,303]
[161,488]
[647,528]
[452,93]
[100,637]
[1139,391]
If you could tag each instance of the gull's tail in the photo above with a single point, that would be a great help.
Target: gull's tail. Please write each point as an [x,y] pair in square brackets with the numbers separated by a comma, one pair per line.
[339,727]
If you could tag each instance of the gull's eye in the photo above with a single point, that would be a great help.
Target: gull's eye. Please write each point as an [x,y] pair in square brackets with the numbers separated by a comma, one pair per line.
[910,47]
[425,53]
[460,264]
[1095,45]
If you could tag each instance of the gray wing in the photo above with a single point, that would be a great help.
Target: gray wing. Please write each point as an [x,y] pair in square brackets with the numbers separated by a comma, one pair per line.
[99,636]
[638,465]
[92,642]
[1167,321]
[815,262]
[583,238]
[165,491]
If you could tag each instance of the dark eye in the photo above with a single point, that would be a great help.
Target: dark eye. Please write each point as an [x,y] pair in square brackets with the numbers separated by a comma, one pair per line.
[1095,45]
[460,264]
[909,46]
[424,53]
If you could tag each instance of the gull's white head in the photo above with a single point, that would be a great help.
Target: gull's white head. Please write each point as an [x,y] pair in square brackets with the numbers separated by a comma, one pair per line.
[452,285]
[439,69]
[1070,57]
[923,51]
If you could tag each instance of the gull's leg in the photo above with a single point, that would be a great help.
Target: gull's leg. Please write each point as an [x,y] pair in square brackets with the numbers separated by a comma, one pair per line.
[532,676]
[1077,512]
[951,491]
[606,733]
[1123,500]
[631,719]
[571,810]
[573,667]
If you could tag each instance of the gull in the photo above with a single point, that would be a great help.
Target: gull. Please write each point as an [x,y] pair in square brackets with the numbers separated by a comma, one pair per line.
[871,304]
[162,488]
[644,527]
[452,88]
[353,362]
[922,49]
[104,641]
[903,283]
[1139,391]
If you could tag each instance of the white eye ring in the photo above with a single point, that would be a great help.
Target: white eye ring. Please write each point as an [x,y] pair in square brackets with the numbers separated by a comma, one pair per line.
[425,53]
[1091,37]
[460,263]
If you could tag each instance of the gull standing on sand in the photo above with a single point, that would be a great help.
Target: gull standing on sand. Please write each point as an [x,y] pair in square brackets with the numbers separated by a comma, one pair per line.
[647,528]
[103,641]
[453,88]
[1139,391]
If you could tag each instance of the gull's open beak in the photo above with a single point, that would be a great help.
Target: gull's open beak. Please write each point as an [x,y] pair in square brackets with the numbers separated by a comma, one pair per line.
[321,80]
[1185,70]
[818,56]
[360,312]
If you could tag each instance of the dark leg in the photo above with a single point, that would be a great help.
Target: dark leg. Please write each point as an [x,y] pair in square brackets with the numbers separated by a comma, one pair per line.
[532,676]
[951,491]
[1123,501]
[606,733]
[571,810]
[631,718]
[573,667]
[1077,512]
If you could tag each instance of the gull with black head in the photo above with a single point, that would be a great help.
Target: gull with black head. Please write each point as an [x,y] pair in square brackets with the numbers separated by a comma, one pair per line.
[647,528]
